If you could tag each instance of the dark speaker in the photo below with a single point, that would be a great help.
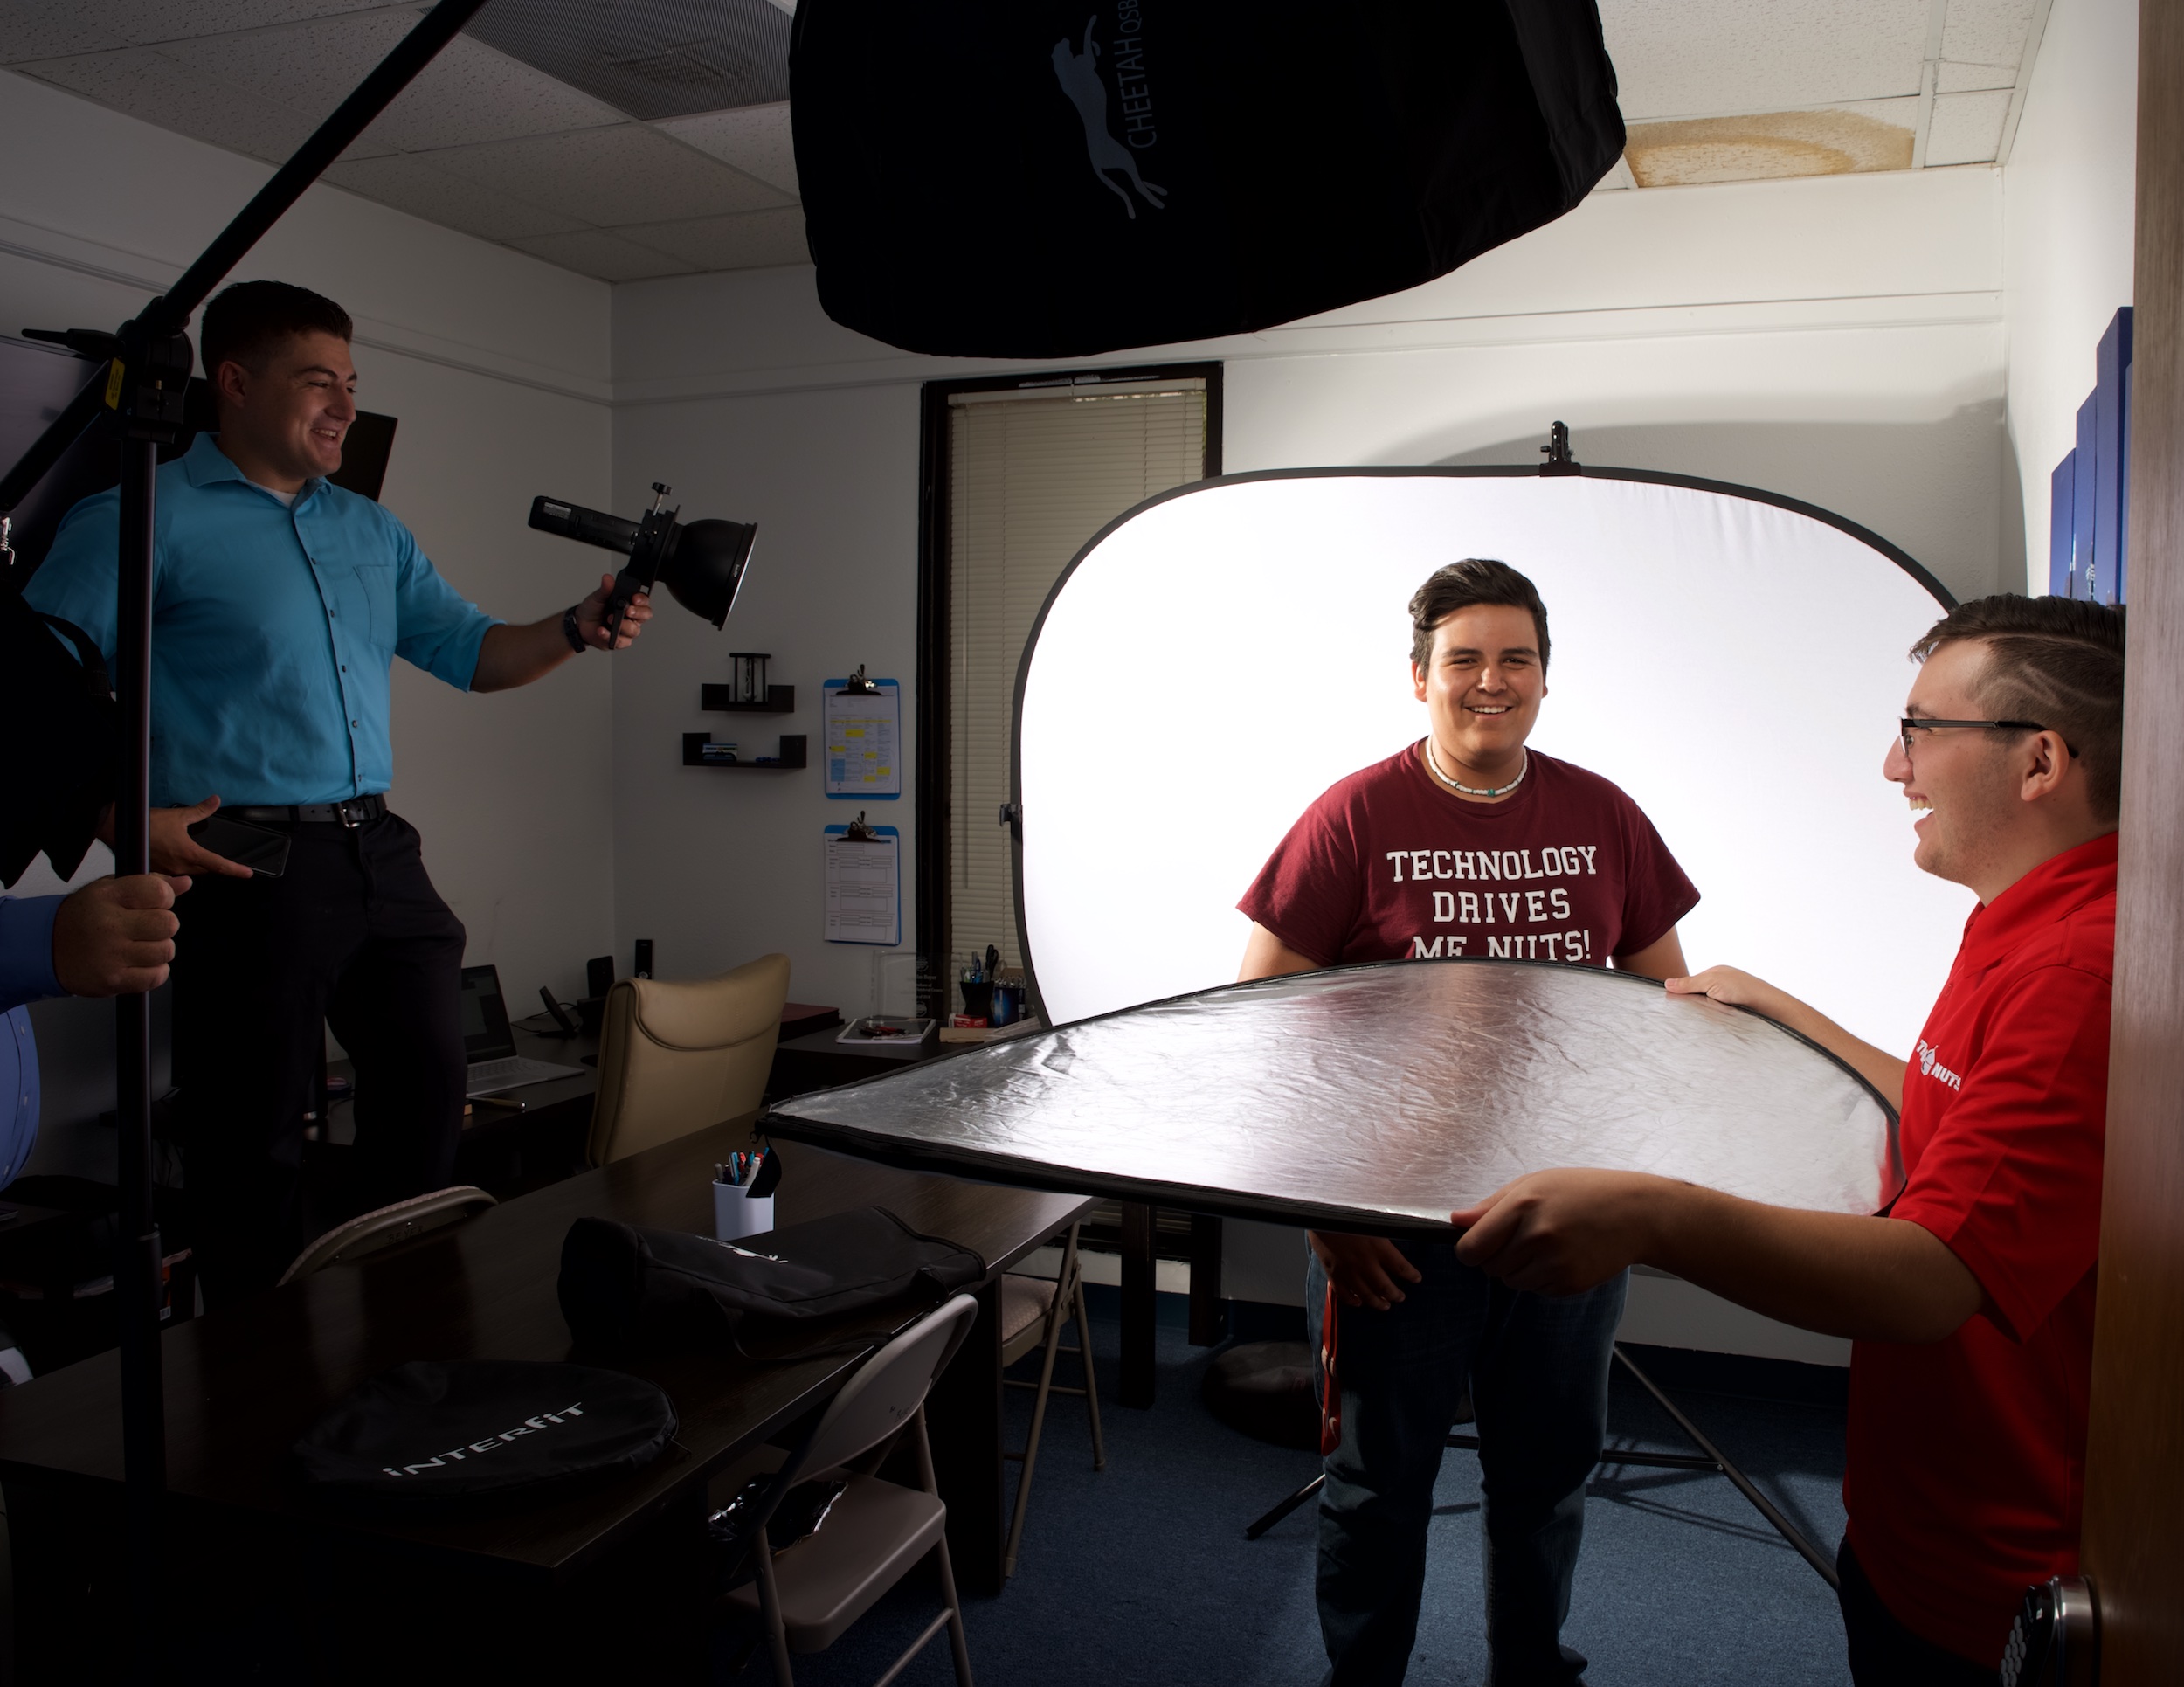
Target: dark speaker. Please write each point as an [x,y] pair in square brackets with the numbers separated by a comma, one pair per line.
[598,976]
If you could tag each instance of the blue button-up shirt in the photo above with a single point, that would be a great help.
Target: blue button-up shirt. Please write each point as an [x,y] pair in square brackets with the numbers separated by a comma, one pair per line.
[273,630]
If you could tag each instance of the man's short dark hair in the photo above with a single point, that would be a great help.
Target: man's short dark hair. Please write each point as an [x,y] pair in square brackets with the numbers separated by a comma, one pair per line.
[248,322]
[2057,661]
[1474,580]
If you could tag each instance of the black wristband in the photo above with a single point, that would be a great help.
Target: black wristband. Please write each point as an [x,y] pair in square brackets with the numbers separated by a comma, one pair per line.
[572,632]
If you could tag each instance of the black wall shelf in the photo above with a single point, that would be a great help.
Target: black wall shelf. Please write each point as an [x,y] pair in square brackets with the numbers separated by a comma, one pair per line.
[720,699]
[792,754]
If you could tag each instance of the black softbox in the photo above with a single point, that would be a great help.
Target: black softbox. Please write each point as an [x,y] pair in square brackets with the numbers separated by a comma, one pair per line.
[1051,178]
[65,730]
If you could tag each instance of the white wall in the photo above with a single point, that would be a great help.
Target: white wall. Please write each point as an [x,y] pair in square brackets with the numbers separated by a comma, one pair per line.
[497,366]
[2067,212]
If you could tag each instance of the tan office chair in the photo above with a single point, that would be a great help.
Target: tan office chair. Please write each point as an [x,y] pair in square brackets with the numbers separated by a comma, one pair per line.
[676,1057]
[1032,1311]
[384,1226]
[806,1596]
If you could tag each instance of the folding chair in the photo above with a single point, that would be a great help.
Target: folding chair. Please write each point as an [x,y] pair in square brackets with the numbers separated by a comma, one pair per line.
[808,1598]
[1032,1311]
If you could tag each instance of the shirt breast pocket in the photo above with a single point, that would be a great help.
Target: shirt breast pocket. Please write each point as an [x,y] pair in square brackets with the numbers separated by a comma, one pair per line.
[382,615]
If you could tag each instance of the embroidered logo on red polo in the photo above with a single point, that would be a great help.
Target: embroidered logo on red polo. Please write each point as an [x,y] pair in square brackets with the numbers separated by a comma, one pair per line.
[1930,1063]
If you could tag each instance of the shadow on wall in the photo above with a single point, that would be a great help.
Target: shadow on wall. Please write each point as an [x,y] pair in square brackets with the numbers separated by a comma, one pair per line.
[1945,491]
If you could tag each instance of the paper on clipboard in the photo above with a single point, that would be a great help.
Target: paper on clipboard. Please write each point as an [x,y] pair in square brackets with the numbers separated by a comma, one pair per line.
[864,739]
[864,886]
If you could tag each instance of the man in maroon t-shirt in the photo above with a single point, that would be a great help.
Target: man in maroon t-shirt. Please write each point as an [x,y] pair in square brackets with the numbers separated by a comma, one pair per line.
[1464,846]
[1971,1301]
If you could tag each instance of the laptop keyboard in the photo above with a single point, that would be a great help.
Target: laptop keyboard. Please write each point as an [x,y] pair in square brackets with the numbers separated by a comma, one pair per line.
[512,1071]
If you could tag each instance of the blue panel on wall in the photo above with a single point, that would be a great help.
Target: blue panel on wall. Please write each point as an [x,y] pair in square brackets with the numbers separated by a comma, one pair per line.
[2060,498]
[2123,501]
[2113,357]
[2084,483]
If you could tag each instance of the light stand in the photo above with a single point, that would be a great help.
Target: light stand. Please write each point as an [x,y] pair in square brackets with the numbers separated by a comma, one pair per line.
[141,388]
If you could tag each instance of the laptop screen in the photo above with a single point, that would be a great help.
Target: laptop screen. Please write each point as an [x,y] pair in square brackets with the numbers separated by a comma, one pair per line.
[485,1035]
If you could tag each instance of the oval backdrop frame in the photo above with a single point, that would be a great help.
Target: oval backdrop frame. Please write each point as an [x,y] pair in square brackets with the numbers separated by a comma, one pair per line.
[1907,571]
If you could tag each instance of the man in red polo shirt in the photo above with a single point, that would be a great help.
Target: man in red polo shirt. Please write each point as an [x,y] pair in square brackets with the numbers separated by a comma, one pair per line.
[1971,1301]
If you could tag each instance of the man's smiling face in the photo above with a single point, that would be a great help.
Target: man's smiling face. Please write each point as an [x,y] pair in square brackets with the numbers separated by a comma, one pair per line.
[295,412]
[1961,782]
[1483,686]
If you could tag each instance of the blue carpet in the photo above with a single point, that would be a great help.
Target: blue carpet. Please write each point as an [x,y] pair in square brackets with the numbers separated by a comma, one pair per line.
[1139,1576]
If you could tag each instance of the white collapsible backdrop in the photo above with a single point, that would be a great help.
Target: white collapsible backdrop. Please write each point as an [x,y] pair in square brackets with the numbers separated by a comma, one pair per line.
[1220,656]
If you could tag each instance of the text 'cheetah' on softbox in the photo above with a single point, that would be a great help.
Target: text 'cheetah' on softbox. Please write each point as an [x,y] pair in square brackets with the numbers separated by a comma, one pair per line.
[1046,178]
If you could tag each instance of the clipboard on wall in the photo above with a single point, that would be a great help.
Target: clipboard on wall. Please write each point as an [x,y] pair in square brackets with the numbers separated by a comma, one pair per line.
[864,884]
[862,721]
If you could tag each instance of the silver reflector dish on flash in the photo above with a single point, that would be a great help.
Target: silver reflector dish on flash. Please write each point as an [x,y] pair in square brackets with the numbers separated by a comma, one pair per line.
[1382,1097]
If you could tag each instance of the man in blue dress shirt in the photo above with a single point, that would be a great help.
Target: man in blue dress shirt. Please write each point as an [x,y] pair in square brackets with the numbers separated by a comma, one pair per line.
[280,602]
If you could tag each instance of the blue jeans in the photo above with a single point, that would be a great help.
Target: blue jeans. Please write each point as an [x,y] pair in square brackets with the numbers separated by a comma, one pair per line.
[1537,1370]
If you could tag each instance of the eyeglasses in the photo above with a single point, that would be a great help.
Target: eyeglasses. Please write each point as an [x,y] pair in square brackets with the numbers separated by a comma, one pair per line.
[1910,724]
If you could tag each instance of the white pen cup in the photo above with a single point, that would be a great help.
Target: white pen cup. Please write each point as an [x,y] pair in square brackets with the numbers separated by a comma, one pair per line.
[737,1213]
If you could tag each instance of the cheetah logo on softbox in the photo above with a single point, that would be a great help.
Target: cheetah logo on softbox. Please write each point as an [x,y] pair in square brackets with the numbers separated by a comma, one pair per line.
[1078,71]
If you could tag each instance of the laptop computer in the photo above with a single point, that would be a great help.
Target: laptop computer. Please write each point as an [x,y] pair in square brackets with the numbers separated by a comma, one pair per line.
[494,1065]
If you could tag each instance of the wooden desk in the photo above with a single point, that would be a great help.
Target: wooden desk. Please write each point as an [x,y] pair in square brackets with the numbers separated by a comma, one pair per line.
[612,1572]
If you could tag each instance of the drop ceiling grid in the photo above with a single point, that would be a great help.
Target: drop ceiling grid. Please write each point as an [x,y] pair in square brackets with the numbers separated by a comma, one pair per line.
[491,145]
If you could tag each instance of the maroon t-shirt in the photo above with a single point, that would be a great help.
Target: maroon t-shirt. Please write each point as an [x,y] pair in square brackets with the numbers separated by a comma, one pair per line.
[1387,866]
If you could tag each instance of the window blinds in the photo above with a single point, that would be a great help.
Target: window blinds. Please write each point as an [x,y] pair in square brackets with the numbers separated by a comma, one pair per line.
[1032,478]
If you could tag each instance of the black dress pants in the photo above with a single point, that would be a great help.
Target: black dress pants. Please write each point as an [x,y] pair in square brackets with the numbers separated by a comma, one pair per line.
[1884,1652]
[353,936]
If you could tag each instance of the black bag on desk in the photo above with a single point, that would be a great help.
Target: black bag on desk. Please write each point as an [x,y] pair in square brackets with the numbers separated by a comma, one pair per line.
[625,1283]
[473,1428]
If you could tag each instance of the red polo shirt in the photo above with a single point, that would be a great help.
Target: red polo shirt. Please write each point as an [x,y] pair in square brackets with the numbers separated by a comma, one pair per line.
[1966,1466]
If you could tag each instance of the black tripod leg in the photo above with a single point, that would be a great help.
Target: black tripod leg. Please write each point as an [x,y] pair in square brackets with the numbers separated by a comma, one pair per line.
[1286,1507]
[1765,1506]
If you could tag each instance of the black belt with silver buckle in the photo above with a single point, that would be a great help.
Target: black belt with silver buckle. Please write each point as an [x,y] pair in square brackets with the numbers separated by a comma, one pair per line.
[357,810]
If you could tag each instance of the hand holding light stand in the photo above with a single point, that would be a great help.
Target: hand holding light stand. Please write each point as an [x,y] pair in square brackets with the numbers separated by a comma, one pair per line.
[140,392]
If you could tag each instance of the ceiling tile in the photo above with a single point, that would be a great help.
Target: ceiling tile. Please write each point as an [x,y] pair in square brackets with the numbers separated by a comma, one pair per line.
[610,176]
[1986,32]
[1710,56]
[1961,78]
[608,257]
[1967,127]
[757,240]
[54,29]
[411,184]
[1619,176]
[755,140]
[145,83]
[652,59]
[468,93]
[1773,144]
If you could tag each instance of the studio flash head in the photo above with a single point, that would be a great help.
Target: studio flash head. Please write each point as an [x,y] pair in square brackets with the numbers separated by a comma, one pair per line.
[701,563]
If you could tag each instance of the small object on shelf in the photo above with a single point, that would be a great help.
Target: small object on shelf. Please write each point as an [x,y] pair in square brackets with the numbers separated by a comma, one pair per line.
[721,699]
[960,1032]
[791,753]
[716,751]
[967,1022]
[748,669]
[880,1029]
